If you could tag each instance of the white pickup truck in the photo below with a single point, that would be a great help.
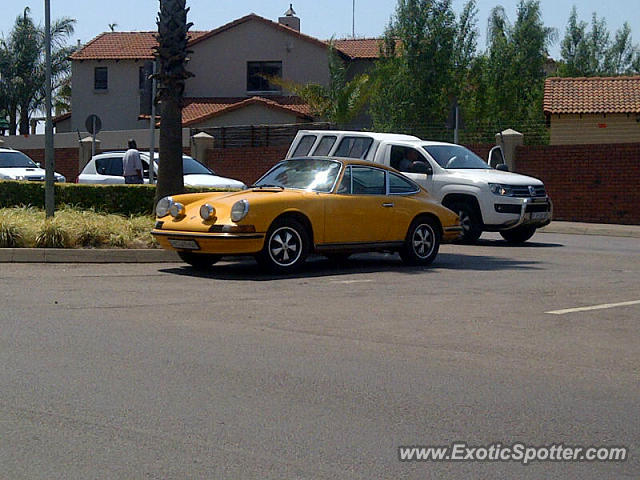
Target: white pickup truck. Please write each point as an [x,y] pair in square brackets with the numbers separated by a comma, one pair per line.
[486,198]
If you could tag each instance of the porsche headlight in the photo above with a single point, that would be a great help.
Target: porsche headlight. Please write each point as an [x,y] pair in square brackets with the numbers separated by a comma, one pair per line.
[177,210]
[239,210]
[163,206]
[501,190]
[207,212]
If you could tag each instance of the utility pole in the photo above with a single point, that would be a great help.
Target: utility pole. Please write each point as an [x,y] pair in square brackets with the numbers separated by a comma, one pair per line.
[49,194]
[353,24]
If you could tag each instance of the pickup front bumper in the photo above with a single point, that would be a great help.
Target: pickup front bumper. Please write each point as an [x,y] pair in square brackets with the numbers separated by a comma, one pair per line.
[535,212]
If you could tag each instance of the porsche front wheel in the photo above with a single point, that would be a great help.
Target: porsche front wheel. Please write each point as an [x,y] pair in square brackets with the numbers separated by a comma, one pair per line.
[285,247]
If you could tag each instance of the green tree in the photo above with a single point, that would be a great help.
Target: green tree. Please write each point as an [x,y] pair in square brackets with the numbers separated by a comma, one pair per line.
[172,54]
[22,67]
[517,54]
[574,48]
[593,53]
[621,53]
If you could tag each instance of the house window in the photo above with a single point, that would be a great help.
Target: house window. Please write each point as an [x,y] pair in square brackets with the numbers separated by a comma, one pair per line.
[100,78]
[257,73]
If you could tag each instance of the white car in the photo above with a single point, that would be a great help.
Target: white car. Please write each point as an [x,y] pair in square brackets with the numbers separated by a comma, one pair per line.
[15,165]
[107,168]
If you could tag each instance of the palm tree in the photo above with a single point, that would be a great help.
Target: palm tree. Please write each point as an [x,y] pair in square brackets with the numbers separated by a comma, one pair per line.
[338,103]
[22,67]
[171,53]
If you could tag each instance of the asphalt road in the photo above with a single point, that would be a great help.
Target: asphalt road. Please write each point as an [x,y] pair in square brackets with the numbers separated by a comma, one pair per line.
[153,371]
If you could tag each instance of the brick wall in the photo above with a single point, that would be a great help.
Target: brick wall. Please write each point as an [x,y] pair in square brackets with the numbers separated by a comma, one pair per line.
[588,183]
[245,163]
[66,161]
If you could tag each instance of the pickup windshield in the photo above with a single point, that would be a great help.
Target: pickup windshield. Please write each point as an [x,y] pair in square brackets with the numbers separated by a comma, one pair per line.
[455,157]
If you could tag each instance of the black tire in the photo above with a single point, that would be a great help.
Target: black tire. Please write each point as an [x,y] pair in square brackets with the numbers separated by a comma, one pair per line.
[519,234]
[469,219]
[286,246]
[337,258]
[422,242]
[199,261]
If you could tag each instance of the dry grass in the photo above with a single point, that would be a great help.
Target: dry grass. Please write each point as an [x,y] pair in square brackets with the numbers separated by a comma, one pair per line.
[73,228]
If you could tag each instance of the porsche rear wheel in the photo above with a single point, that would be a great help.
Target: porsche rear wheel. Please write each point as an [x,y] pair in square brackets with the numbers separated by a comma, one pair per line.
[199,261]
[285,247]
[422,242]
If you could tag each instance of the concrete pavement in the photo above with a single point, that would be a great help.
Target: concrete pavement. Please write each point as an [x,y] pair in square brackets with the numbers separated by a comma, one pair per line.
[65,255]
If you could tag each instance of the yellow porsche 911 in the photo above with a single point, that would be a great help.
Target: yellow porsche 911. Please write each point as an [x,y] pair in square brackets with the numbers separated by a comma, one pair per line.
[333,207]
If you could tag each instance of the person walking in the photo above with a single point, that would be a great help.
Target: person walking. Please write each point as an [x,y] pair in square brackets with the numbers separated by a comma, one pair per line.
[132,165]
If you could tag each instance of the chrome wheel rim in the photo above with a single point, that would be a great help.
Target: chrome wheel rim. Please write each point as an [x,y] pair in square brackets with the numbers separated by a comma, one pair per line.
[423,241]
[465,220]
[285,246]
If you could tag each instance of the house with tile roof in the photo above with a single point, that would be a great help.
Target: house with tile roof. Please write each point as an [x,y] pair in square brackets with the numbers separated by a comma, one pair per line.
[593,110]
[229,64]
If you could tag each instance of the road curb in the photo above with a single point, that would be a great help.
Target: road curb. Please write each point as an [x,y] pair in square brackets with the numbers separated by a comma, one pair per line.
[79,255]
[602,229]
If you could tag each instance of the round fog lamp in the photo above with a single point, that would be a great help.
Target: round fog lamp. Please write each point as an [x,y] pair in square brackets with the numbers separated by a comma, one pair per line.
[207,212]
[177,210]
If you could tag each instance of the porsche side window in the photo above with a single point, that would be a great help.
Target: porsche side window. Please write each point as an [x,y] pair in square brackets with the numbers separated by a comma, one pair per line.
[353,147]
[304,147]
[324,146]
[367,181]
[400,185]
[345,184]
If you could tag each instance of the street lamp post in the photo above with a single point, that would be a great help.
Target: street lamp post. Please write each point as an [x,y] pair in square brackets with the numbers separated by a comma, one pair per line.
[49,198]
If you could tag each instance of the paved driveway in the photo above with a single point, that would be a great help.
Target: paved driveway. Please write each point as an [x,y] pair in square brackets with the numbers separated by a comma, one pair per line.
[153,371]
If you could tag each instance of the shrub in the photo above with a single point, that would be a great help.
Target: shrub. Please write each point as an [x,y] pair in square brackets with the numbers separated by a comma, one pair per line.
[121,199]
[52,235]
[10,235]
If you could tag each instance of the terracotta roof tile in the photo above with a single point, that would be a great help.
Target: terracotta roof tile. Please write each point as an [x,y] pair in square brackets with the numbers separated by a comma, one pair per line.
[198,110]
[359,47]
[139,45]
[123,45]
[592,95]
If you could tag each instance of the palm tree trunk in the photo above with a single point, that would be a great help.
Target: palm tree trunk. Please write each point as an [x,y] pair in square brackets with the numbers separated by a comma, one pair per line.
[172,53]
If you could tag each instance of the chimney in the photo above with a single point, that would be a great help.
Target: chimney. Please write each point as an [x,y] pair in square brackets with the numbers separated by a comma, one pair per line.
[290,20]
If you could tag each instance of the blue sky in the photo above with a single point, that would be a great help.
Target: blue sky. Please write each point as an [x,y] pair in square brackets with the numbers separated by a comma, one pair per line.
[319,18]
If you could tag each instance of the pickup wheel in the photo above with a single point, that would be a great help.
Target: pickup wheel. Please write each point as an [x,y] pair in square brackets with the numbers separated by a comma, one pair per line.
[199,261]
[469,219]
[422,242]
[285,248]
[519,234]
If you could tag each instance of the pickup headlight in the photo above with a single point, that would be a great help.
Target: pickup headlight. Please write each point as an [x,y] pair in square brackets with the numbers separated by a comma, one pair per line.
[239,210]
[163,206]
[501,190]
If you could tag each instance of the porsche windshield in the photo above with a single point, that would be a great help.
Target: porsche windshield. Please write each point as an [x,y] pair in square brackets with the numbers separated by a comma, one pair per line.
[16,160]
[308,174]
[455,157]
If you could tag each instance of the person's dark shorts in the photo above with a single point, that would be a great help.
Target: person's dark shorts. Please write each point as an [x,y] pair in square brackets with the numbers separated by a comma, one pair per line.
[132,179]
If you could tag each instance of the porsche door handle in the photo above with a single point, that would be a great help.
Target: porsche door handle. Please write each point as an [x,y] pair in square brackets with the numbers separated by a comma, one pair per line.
[387,205]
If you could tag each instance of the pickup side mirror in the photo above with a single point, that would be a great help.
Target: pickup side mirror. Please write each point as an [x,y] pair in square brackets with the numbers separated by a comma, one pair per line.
[38,165]
[503,167]
[496,157]
[421,167]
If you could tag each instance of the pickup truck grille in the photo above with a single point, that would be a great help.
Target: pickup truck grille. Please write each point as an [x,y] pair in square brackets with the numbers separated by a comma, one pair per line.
[526,191]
